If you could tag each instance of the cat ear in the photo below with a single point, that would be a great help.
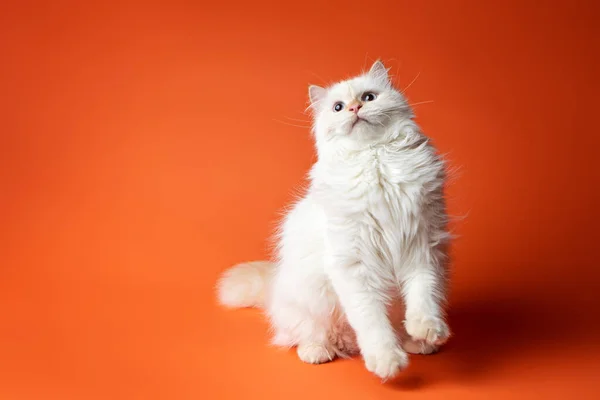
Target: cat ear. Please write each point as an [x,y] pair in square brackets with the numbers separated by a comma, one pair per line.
[379,72]
[316,93]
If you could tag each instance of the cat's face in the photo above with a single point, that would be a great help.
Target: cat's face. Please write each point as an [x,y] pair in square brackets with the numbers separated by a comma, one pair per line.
[360,109]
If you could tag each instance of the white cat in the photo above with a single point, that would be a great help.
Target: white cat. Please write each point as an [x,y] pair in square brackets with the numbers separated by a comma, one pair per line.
[370,232]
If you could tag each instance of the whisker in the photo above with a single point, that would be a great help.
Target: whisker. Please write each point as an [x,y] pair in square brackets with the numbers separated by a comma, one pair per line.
[410,84]
[297,126]
[386,115]
[297,119]
[323,81]
[421,102]
[311,106]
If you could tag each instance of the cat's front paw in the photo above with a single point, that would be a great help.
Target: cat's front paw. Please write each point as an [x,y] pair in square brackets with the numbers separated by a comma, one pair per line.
[431,330]
[386,362]
[315,353]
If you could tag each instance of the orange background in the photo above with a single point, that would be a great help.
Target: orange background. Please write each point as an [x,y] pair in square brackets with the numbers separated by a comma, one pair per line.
[147,147]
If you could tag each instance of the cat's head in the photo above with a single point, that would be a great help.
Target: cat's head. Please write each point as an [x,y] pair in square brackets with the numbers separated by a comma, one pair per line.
[362,109]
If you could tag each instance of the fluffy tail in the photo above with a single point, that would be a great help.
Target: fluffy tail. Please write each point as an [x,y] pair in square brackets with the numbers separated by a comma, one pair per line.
[245,285]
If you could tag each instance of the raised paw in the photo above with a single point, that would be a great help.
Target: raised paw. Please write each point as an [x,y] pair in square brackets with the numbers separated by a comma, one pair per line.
[431,330]
[315,353]
[387,362]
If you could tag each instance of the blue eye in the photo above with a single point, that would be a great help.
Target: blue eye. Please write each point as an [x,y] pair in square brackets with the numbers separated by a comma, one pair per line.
[339,106]
[368,96]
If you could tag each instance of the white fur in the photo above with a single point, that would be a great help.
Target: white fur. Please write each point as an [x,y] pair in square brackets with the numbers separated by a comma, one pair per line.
[371,229]
[245,285]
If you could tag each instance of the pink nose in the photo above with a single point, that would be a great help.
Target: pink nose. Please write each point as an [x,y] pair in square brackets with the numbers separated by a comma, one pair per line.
[354,108]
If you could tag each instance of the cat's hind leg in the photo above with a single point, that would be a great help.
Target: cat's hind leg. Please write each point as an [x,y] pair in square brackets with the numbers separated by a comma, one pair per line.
[301,311]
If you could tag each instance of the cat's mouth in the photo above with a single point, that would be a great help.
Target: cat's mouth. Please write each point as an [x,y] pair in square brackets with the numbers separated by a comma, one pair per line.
[358,120]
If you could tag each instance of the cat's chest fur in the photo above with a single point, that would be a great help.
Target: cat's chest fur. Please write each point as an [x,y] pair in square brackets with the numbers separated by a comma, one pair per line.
[385,182]
[378,198]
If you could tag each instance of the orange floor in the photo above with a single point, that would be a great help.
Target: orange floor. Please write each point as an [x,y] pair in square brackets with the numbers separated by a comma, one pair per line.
[147,147]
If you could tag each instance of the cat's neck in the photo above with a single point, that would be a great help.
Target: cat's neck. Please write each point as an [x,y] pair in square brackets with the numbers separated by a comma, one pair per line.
[342,149]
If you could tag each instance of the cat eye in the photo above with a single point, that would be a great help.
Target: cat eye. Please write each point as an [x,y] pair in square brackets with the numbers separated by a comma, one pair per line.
[339,106]
[368,96]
